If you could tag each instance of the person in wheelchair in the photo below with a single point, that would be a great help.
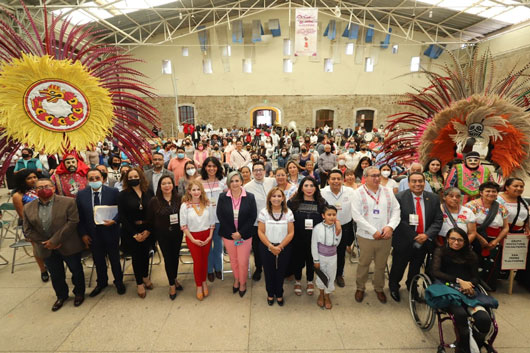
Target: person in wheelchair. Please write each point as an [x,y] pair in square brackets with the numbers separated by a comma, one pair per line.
[456,265]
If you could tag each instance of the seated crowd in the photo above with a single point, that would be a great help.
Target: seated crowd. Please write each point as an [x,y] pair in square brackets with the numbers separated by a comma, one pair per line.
[294,201]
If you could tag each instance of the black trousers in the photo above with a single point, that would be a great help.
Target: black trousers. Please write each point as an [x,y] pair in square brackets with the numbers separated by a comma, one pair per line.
[139,252]
[482,326]
[412,257]
[323,179]
[103,246]
[274,269]
[301,256]
[255,249]
[56,268]
[347,239]
[170,241]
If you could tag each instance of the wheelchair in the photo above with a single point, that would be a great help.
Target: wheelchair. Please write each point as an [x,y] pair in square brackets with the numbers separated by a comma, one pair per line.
[424,315]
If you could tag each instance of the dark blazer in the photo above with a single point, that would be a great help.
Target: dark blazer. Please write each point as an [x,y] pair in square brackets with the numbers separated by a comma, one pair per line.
[246,219]
[109,197]
[63,228]
[404,234]
[149,176]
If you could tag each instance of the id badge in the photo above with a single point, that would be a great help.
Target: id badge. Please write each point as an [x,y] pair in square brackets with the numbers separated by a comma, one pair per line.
[174,218]
[414,219]
[308,224]
[238,242]
[376,214]
[212,202]
[338,206]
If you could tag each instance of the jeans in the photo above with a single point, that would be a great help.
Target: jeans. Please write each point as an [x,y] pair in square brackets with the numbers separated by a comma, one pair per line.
[215,258]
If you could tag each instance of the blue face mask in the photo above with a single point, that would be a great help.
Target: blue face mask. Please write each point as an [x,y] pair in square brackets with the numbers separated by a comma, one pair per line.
[351,150]
[95,184]
[180,155]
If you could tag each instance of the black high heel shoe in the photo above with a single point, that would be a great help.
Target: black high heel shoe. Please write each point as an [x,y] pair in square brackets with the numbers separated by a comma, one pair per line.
[242,293]
[235,290]
[270,301]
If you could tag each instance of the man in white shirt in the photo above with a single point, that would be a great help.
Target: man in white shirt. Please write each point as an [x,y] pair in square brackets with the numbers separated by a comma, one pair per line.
[259,187]
[275,138]
[341,197]
[377,213]
[239,157]
[351,158]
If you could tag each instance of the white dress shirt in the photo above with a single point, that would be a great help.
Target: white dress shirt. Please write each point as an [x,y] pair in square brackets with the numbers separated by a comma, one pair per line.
[260,191]
[342,201]
[195,223]
[363,206]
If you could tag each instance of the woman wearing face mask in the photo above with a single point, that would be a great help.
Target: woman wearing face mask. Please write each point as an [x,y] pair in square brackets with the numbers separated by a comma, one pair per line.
[492,228]
[363,163]
[433,175]
[304,157]
[386,178]
[293,171]
[456,216]
[283,158]
[310,171]
[518,219]
[163,222]
[200,154]
[217,154]
[133,202]
[456,264]
[190,174]
[113,170]
[307,206]
[25,182]
[341,161]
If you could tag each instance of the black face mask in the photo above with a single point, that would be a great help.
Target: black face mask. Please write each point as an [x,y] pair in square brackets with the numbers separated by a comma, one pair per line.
[133,182]
[254,159]
[304,150]
[114,164]
[216,148]
[25,155]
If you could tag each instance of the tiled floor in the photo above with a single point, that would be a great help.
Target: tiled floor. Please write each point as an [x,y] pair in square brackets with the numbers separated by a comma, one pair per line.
[223,321]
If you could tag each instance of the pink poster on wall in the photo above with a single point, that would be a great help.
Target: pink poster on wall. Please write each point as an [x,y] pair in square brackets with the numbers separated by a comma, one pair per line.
[306,29]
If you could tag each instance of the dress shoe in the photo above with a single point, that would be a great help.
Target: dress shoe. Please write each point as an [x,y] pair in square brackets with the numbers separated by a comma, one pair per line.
[257,275]
[205,291]
[381,296]
[359,296]
[219,274]
[211,277]
[149,286]
[340,281]
[58,304]
[78,300]
[270,301]
[172,296]
[280,301]
[120,288]
[179,287]
[45,276]
[235,290]
[395,295]
[96,291]
[242,293]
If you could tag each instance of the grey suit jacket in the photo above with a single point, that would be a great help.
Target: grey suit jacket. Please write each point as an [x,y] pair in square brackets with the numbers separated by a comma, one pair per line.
[63,228]
[149,176]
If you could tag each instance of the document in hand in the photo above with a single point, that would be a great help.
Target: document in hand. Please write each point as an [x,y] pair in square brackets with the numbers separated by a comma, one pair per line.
[104,213]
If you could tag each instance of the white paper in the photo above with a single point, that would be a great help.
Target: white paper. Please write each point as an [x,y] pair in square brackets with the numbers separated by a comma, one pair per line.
[514,252]
[104,213]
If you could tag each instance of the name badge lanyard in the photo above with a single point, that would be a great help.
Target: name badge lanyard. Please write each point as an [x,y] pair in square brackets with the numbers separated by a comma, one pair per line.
[236,205]
[369,193]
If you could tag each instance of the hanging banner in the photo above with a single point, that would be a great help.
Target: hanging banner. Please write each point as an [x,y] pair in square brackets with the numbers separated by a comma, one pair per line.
[306,29]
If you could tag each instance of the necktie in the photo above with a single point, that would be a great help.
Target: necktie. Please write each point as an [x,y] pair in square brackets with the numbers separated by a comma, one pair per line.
[419,228]
[96,198]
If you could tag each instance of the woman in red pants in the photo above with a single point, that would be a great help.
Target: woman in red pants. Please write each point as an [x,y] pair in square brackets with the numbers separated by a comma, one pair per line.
[197,223]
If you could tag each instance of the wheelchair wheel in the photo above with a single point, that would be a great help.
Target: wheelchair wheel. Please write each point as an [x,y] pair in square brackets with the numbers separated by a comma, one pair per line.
[441,349]
[422,314]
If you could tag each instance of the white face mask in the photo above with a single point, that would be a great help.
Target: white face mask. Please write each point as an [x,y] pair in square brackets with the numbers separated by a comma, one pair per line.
[191,172]
[386,173]
[341,162]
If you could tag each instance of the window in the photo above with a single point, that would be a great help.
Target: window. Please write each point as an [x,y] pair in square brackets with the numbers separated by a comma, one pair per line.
[415,64]
[185,51]
[324,117]
[395,49]
[286,47]
[247,66]
[287,65]
[187,114]
[365,118]
[328,65]
[166,67]
[207,66]
[349,48]
[368,64]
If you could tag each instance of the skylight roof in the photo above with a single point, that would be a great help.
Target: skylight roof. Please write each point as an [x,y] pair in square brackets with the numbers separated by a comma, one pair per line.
[508,11]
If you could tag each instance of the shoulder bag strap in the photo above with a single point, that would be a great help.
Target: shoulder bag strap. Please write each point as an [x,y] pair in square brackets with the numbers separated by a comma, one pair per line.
[449,215]
[489,217]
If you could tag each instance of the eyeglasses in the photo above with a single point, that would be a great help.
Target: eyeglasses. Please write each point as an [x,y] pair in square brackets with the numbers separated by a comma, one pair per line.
[458,240]
[44,187]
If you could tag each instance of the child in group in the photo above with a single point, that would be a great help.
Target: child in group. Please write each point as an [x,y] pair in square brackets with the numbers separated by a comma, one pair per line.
[324,241]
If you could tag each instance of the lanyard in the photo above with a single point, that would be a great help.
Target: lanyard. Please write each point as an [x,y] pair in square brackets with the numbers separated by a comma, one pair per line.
[369,193]
[340,195]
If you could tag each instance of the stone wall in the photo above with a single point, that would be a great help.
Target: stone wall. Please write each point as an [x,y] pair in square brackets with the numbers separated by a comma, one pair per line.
[226,111]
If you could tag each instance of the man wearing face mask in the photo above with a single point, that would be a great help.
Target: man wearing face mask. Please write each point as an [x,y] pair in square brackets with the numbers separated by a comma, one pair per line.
[103,238]
[176,165]
[28,162]
[50,221]
[69,177]
[414,168]
[351,158]
[326,162]
[104,173]
[468,176]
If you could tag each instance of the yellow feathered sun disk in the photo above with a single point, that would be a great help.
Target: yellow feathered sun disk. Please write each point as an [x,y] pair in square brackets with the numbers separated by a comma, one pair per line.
[17,76]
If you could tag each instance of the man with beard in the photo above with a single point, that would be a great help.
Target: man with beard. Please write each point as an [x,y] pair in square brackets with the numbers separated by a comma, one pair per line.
[70,176]
[468,176]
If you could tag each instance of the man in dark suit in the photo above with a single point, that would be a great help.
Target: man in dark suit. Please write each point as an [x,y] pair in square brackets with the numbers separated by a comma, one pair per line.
[421,220]
[158,171]
[103,240]
[347,133]
[51,223]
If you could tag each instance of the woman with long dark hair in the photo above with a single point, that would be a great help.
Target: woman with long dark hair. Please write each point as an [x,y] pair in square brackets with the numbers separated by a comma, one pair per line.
[363,163]
[25,181]
[163,221]
[433,175]
[307,206]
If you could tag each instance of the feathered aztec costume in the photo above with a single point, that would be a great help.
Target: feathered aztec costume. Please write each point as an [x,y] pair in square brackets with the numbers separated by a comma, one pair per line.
[60,92]
[464,106]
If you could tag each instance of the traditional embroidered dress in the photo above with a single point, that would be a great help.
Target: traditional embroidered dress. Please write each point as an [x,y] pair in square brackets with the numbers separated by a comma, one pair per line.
[467,180]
